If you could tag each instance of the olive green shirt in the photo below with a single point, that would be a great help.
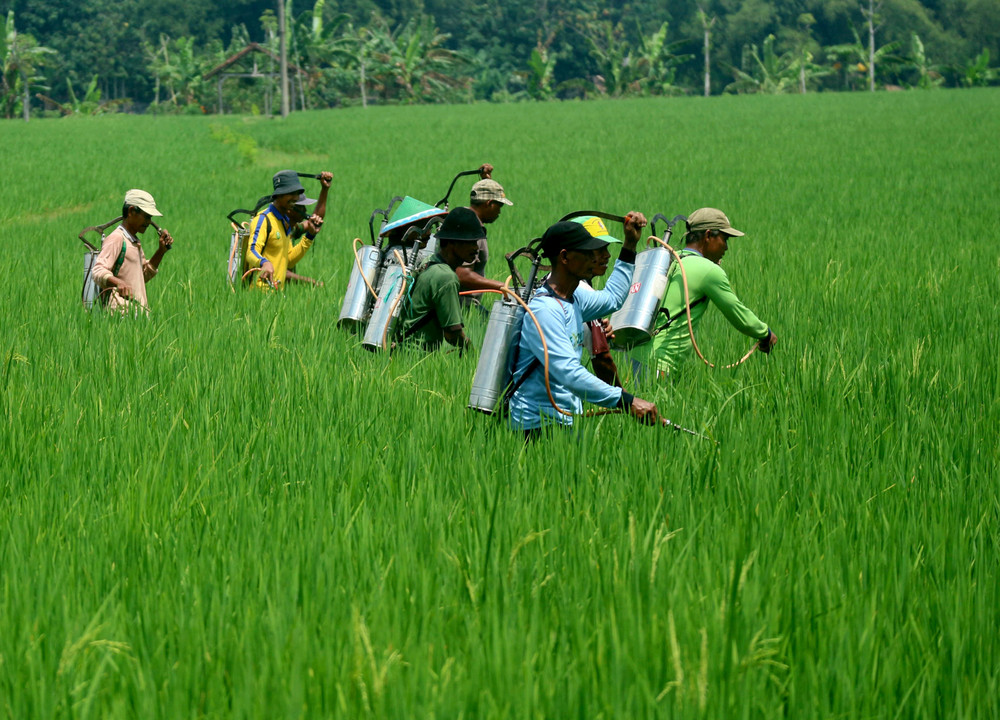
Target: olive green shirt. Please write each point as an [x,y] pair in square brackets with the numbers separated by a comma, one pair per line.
[435,294]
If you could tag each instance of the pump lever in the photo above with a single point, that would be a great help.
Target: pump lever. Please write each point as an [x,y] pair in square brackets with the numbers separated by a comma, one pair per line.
[236,212]
[384,213]
[596,213]
[670,223]
[532,251]
[444,201]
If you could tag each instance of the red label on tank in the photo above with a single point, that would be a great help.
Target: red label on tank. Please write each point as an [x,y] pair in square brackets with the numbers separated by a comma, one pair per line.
[634,289]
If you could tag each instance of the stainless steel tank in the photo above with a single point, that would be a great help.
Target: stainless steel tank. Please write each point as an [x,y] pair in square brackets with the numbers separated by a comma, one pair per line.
[378,333]
[634,321]
[90,290]
[493,371]
[358,298]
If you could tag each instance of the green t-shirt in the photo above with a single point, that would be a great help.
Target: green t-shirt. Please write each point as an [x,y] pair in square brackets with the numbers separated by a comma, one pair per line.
[705,279]
[434,291]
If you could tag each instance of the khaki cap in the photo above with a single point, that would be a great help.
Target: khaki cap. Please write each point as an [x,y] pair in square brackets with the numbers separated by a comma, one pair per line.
[489,190]
[711,219]
[142,200]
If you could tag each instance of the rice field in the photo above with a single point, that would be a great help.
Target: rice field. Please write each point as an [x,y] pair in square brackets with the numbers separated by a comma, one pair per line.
[230,509]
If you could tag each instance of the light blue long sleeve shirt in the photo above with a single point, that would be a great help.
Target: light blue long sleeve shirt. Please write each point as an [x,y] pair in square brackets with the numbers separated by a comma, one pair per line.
[562,324]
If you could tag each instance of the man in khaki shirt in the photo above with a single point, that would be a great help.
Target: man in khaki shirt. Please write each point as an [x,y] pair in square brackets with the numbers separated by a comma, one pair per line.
[121,269]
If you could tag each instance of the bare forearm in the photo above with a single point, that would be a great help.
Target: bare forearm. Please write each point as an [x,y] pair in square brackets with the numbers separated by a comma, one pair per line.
[321,203]
[471,280]
[157,257]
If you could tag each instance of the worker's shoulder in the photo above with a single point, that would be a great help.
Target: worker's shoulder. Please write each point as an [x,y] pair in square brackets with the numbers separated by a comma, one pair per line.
[439,272]
[697,267]
[265,214]
[546,305]
[436,278]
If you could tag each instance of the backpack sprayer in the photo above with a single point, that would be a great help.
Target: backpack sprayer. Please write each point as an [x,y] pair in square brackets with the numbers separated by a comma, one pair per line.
[395,281]
[492,382]
[383,269]
[239,240]
[497,358]
[634,322]
[91,293]
[238,243]
[494,372]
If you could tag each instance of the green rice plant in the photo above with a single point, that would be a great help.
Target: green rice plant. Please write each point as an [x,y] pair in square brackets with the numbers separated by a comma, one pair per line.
[230,509]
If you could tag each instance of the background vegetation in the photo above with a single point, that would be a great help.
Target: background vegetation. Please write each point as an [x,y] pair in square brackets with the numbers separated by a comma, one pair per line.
[230,509]
[99,56]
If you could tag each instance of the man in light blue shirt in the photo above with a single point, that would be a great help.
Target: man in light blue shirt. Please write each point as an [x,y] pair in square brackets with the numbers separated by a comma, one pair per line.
[576,254]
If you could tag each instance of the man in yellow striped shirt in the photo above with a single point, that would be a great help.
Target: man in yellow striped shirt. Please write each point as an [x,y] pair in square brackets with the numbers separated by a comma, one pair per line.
[271,247]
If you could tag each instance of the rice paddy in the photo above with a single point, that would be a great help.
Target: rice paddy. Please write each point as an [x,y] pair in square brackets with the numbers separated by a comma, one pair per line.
[230,509]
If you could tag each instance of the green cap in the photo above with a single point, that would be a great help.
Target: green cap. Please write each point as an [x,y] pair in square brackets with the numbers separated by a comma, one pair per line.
[711,219]
[596,227]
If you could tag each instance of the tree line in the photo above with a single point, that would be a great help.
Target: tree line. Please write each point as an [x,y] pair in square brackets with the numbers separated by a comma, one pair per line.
[157,55]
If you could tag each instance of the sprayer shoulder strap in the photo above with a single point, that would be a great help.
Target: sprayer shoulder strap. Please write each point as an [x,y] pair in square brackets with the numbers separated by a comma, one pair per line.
[415,327]
[121,258]
[430,314]
[682,311]
[532,366]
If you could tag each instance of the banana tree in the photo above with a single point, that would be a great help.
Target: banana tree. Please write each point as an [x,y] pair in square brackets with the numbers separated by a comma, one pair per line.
[765,71]
[22,59]
[928,74]
[978,73]
[858,61]
[657,62]
[413,63]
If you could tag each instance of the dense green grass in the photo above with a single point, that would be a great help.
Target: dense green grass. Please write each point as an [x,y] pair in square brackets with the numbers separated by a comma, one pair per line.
[232,510]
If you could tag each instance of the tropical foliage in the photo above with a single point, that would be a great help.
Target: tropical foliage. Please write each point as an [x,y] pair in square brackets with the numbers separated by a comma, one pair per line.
[346,52]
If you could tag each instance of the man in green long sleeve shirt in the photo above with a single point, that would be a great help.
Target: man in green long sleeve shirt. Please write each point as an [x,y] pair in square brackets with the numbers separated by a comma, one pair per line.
[708,233]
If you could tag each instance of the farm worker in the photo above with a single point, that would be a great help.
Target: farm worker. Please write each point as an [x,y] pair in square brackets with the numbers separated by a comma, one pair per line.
[486,200]
[595,332]
[121,265]
[270,247]
[308,224]
[576,255]
[433,312]
[708,234]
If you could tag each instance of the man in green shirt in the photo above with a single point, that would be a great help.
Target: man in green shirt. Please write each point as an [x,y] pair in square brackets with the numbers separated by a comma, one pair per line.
[708,234]
[433,312]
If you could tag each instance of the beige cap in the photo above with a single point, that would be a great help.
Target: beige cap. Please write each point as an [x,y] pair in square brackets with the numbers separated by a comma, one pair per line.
[711,219]
[489,190]
[142,200]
